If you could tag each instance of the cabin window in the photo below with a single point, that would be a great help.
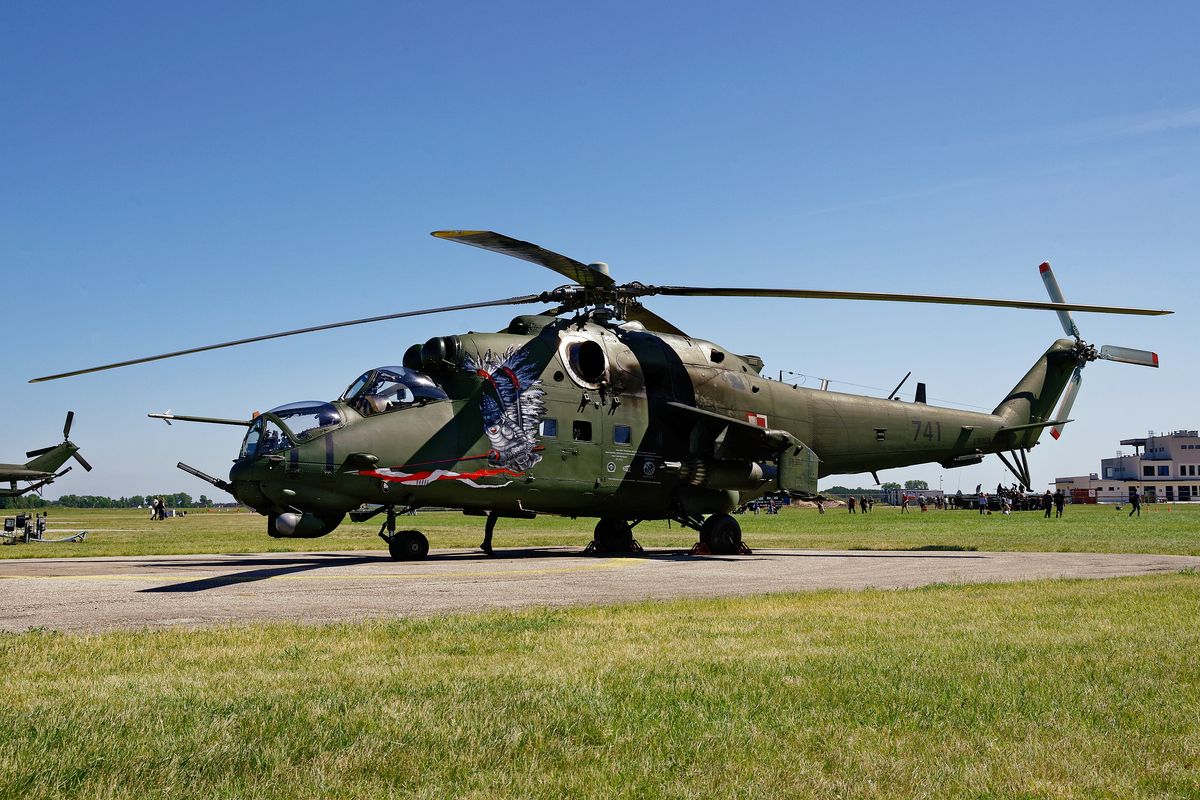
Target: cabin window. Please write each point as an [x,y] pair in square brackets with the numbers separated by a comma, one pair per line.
[549,427]
[880,434]
[622,434]
[581,430]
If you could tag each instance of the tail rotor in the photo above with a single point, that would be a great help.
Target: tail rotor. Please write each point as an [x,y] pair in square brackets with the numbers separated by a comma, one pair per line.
[1084,351]
[75,454]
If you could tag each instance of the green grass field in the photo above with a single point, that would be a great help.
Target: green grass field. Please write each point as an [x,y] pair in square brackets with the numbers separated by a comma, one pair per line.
[1045,689]
[1041,689]
[1161,529]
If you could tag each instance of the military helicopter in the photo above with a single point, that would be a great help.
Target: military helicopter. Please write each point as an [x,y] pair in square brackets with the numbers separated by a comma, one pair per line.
[599,407]
[40,469]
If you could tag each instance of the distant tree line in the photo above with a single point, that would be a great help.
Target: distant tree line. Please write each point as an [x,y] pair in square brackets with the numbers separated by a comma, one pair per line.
[842,491]
[172,500]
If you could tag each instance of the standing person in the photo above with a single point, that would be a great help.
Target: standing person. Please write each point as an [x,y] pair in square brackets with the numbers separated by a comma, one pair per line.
[982,503]
[1135,499]
[820,506]
[904,503]
[850,503]
[1060,500]
[862,505]
[1047,501]
[154,509]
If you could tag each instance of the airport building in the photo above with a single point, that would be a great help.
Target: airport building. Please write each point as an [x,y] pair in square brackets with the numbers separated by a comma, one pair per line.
[1164,467]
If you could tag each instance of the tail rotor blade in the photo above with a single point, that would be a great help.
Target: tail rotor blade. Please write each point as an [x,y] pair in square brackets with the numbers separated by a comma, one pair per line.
[1056,295]
[1068,400]
[67,424]
[1128,355]
[82,461]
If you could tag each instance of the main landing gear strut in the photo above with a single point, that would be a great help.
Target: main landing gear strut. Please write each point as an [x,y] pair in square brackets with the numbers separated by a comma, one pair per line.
[403,545]
[488,529]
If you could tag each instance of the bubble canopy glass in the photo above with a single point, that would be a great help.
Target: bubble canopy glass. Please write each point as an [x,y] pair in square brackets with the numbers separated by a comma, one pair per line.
[386,389]
[297,422]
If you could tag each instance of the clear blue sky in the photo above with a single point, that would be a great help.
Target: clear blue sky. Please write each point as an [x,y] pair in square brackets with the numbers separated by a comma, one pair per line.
[177,175]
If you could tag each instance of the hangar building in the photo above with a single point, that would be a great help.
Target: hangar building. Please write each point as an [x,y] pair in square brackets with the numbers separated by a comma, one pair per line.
[1163,467]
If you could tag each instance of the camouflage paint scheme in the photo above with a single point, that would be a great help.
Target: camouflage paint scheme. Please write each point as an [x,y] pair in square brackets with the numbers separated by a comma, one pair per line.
[661,426]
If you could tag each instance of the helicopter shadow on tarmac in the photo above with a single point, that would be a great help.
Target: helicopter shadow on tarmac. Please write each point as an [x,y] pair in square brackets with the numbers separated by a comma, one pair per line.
[274,567]
[278,566]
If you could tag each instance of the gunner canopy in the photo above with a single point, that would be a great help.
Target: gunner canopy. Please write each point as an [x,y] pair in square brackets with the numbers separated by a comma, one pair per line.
[301,422]
[389,388]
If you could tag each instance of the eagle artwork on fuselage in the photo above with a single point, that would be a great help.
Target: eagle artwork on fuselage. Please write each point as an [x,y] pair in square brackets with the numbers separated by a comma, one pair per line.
[512,407]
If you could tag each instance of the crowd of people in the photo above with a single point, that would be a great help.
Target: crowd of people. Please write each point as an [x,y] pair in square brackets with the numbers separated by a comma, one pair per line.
[1005,500]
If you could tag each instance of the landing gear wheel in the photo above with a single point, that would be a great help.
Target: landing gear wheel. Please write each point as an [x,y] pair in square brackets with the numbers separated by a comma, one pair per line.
[409,546]
[722,535]
[614,536]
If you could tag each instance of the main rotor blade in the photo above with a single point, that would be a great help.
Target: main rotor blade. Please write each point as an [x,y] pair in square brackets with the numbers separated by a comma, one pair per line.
[1128,355]
[508,301]
[577,271]
[82,461]
[890,297]
[650,320]
[67,424]
[1052,288]
[39,451]
[1068,400]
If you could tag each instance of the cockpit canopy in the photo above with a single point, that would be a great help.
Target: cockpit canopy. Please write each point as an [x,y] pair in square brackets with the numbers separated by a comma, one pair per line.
[307,417]
[386,389]
[301,422]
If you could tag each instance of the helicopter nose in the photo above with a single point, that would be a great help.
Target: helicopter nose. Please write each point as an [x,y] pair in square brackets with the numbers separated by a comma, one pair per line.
[245,486]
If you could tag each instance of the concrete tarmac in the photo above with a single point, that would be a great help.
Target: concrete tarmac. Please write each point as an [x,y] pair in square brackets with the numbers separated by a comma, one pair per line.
[98,594]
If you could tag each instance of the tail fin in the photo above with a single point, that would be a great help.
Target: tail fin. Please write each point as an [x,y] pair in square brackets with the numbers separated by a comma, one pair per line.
[50,458]
[1033,399]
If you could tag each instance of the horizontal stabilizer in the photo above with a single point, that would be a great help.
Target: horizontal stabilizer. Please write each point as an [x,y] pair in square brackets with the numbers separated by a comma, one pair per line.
[1034,425]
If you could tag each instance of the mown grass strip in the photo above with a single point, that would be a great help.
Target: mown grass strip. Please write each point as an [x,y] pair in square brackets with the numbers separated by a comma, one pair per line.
[1100,529]
[1055,689]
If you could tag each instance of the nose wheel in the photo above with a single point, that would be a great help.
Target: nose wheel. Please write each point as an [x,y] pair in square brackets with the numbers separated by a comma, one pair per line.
[403,545]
